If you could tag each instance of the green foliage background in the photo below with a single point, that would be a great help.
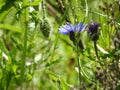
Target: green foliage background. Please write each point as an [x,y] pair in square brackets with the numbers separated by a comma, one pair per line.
[35,56]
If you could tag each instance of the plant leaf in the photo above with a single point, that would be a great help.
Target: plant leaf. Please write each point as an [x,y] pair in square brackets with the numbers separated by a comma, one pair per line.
[10,27]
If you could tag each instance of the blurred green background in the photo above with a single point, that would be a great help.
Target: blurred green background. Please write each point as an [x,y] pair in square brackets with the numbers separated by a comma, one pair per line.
[35,56]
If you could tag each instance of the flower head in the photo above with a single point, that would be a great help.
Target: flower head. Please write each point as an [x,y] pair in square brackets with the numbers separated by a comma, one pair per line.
[93,27]
[67,28]
[70,29]
[93,30]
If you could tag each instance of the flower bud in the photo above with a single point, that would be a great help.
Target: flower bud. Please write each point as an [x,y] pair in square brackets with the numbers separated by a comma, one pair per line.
[93,31]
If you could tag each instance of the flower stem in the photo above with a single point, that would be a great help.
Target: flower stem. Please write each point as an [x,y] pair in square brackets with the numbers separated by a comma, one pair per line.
[26,14]
[96,52]
[78,62]
[44,9]
[79,68]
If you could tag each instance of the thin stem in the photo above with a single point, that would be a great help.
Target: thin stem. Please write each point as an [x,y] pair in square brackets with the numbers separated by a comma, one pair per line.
[96,51]
[44,9]
[24,41]
[86,8]
[79,68]
[78,62]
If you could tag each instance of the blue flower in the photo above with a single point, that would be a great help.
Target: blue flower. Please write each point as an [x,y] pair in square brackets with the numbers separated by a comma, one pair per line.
[80,27]
[67,28]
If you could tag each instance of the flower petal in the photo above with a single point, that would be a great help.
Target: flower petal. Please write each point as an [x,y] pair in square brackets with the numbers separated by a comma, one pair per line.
[67,28]
[80,27]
